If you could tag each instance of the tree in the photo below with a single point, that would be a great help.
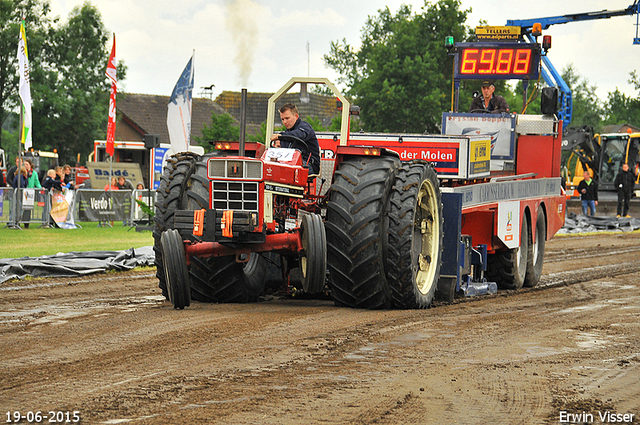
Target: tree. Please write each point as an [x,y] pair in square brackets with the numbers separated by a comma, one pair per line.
[587,107]
[11,11]
[69,90]
[400,76]
[622,109]
[222,128]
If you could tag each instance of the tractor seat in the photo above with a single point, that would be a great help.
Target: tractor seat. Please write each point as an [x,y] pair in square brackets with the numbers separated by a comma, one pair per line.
[312,177]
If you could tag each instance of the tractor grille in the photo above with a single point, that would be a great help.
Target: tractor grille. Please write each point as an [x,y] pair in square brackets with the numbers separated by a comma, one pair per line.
[234,195]
[235,169]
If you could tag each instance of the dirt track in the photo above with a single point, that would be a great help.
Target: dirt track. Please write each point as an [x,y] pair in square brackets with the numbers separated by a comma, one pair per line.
[109,347]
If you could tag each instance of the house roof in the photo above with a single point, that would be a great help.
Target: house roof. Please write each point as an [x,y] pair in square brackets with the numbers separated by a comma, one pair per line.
[147,114]
[619,128]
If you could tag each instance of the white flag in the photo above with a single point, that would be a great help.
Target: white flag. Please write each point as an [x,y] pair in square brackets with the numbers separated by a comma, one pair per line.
[179,110]
[24,89]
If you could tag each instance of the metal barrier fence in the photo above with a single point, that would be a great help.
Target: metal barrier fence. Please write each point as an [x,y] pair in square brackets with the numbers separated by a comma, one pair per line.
[41,207]
[24,206]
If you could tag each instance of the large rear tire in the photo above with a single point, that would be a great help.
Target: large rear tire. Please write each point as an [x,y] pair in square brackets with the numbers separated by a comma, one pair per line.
[175,269]
[535,256]
[169,195]
[508,268]
[415,236]
[221,279]
[313,263]
[357,231]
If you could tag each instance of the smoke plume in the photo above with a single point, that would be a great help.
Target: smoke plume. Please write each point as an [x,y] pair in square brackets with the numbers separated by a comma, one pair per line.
[242,23]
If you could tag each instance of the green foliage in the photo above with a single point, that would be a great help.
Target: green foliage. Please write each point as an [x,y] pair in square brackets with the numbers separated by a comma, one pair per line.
[69,89]
[316,123]
[259,137]
[354,124]
[397,75]
[587,108]
[37,24]
[145,208]
[222,128]
[623,109]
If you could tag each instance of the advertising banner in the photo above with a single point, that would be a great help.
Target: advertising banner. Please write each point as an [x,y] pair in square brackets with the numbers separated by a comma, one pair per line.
[100,205]
[101,172]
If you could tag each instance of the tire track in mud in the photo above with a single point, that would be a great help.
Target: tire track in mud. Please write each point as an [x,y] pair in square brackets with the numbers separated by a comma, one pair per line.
[556,256]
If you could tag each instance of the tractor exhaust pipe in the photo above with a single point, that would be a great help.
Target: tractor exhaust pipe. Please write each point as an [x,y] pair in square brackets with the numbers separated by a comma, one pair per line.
[243,121]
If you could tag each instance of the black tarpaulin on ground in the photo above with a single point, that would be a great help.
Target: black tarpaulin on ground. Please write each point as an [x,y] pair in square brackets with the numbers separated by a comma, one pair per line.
[75,263]
[585,224]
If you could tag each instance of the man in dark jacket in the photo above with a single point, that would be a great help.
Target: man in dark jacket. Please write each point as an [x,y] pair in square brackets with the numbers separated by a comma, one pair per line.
[624,182]
[302,130]
[489,102]
[588,189]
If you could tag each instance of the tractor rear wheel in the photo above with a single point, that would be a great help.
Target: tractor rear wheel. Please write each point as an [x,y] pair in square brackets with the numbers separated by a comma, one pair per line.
[415,236]
[357,231]
[168,199]
[175,269]
[535,256]
[508,268]
[221,279]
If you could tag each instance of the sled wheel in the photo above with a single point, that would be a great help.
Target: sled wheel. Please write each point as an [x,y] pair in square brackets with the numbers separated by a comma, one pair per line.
[313,262]
[175,269]
[508,268]
[535,257]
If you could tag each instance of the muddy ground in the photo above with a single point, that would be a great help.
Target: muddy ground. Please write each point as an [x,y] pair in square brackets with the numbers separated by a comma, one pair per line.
[110,348]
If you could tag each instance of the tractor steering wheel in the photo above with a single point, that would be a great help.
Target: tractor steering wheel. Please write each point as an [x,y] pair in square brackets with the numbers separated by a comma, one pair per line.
[295,141]
[484,111]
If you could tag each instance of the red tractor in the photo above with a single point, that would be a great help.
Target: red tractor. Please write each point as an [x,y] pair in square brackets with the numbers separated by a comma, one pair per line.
[221,220]
[370,228]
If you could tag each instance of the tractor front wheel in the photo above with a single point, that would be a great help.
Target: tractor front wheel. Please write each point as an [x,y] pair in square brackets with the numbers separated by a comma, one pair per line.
[175,269]
[313,262]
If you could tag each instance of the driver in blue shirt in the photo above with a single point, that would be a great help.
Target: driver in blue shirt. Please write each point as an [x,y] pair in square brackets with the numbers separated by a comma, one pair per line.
[302,130]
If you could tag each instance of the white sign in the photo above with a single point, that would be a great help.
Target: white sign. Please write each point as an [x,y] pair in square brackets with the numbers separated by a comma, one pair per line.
[28,198]
[509,223]
[280,154]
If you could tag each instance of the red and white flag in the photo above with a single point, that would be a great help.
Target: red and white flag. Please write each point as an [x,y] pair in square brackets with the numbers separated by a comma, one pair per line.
[111,73]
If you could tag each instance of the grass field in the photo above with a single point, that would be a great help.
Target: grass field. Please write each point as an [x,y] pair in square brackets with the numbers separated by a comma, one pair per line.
[34,242]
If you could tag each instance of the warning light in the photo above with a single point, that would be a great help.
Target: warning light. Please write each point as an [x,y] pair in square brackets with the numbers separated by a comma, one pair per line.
[546,42]
[537,29]
[448,41]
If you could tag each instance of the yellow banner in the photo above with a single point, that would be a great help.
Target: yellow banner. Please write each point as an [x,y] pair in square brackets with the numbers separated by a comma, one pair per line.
[488,33]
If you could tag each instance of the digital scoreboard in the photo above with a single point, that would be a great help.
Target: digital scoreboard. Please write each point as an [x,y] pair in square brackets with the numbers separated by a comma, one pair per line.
[504,61]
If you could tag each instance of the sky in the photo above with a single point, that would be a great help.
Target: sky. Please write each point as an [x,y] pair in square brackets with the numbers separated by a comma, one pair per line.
[261,44]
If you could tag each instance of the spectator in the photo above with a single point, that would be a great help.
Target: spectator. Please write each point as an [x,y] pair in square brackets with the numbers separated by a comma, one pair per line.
[124,184]
[20,180]
[12,172]
[60,177]
[33,182]
[140,186]
[50,181]
[67,174]
[113,185]
[32,177]
[588,189]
